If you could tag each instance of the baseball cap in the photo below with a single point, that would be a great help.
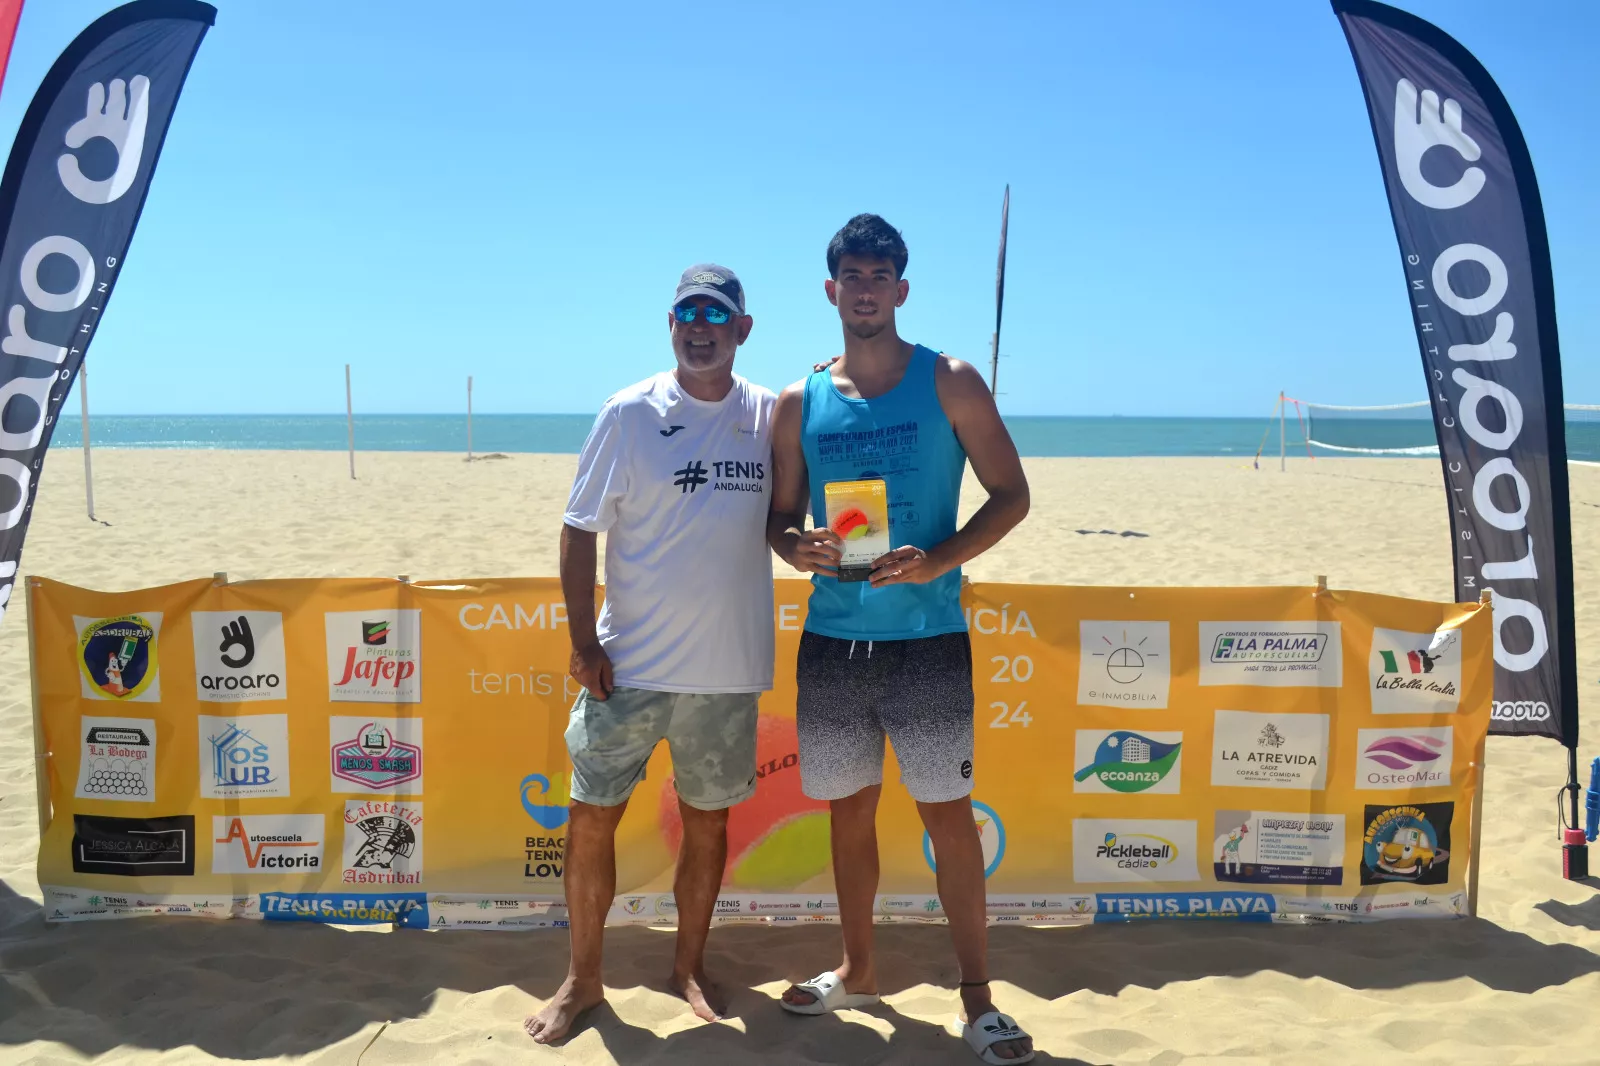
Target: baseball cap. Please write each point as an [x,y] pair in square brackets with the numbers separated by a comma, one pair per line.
[713,281]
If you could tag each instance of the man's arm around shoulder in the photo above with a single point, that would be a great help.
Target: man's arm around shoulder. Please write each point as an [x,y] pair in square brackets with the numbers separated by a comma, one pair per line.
[809,551]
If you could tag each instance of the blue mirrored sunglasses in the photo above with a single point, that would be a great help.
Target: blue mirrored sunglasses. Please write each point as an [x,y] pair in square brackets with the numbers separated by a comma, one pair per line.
[715,315]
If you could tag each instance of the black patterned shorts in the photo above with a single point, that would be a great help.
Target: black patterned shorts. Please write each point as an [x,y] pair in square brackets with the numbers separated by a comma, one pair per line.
[854,693]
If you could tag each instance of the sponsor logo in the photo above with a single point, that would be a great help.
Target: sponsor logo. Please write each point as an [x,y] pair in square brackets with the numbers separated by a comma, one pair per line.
[1269,750]
[1413,758]
[1407,843]
[548,815]
[266,843]
[542,857]
[1128,849]
[1240,906]
[691,477]
[1415,673]
[1521,711]
[966,769]
[632,904]
[244,756]
[669,431]
[724,905]
[1271,654]
[896,903]
[117,760]
[374,658]
[1270,847]
[707,277]
[408,909]
[133,847]
[117,657]
[1124,761]
[238,656]
[382,842]
[991,833]
[1080,905]
[666,906]
[1124,664]
[376,754]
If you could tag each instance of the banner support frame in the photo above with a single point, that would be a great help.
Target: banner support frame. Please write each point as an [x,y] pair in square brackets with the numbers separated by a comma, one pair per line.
[1477,830]
[41,757]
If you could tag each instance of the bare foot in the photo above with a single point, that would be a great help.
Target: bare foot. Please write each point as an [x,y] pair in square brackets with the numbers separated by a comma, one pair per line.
[705,999]
[975,1003]
[571,999]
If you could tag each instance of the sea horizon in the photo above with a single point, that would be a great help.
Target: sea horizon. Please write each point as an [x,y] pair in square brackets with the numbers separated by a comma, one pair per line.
[1041,436]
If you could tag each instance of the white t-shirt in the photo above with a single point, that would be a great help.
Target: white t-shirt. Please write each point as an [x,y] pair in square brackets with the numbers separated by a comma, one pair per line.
[679,486]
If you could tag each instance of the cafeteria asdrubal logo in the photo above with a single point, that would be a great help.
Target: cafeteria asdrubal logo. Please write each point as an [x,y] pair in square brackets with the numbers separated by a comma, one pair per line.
[1125,761]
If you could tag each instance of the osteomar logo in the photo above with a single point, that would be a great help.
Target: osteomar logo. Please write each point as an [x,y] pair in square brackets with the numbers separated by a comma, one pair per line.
[1125,761]
[374,656]
[1128,849]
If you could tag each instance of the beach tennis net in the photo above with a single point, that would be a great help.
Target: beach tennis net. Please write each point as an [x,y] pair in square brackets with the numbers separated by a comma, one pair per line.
[1406,429]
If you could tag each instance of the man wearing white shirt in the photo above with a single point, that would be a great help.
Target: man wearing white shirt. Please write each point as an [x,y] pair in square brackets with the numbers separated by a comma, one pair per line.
[675,474]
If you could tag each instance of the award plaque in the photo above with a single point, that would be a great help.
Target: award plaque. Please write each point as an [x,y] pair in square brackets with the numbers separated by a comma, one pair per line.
[859,512]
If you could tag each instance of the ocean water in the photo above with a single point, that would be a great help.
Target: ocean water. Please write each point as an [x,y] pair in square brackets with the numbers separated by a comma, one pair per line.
[1035,436]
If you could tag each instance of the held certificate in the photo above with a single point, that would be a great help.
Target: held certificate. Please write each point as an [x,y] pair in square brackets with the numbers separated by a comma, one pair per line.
[859,512]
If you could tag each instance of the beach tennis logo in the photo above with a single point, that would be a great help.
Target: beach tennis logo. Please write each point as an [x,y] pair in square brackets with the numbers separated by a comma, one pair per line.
[117,657]
[374,656]
[238,656]
[991,834]
[266,843]
[1409,844]
[1269,750]
[1415,673]
[1125,761]
[133,847]
[382,843]
[117,760]
[1124,664]
[376,754]
[244,756]
[1271,654]
[546,801]
[1127,849]
[1403,759]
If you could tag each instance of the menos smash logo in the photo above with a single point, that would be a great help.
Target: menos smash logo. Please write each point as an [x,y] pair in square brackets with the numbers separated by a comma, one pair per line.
[376,755]
[374,656]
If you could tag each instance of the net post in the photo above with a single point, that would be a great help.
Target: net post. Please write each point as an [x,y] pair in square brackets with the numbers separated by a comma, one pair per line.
[41,754]
[1478,757]
[350,421]
[1283,462]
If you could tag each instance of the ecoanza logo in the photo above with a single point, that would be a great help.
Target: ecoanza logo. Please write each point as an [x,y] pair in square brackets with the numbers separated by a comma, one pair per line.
[1125,761]
[239,656]
[244,756]
[1271,654]
[1127,849]
[1124,664]
[374,656]
[1415,673]
[1404,759]
[266,843]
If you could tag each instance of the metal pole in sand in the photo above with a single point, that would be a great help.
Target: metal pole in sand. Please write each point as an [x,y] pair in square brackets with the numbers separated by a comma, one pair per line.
[350,421]
[1282,453]
[1479,756]
[88,466]
[469,418]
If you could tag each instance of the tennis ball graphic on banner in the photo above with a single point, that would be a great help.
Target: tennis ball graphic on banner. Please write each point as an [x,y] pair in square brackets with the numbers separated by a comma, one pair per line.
[777,839]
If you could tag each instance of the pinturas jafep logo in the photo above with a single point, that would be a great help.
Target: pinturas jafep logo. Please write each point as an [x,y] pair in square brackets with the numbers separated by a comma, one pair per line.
[238,656]
[118,658]
[374,656]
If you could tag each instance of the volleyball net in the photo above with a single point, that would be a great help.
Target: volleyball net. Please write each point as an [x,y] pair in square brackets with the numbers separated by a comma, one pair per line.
[1396,429]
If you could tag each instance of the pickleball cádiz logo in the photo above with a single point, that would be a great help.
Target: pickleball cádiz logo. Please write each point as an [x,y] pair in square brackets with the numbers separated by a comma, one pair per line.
[117,657]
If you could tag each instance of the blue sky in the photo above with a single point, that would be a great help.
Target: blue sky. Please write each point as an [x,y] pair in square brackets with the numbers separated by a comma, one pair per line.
[510,190]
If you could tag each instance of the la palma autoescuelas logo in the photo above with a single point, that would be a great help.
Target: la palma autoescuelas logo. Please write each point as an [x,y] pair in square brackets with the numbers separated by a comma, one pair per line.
[374,656]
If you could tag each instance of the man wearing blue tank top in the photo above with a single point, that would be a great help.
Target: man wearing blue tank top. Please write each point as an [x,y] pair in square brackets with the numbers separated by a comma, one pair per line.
[889,656]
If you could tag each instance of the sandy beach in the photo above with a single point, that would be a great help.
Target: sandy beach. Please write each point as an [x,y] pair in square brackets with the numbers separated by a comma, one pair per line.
[1511,986]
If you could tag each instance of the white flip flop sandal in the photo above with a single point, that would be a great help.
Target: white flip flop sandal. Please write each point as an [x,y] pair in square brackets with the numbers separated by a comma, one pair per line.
[991,1029]
[828,995]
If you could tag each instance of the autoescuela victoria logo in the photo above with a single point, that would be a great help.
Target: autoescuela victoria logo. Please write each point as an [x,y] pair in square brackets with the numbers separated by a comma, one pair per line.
[118,657]
[238,656]
[266,843]
[374,656]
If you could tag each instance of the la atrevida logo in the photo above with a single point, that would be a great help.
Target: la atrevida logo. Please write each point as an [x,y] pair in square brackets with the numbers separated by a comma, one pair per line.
[1407,843]
[117,657]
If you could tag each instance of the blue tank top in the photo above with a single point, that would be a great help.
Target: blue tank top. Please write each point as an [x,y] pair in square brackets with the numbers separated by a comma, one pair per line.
[903,437]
